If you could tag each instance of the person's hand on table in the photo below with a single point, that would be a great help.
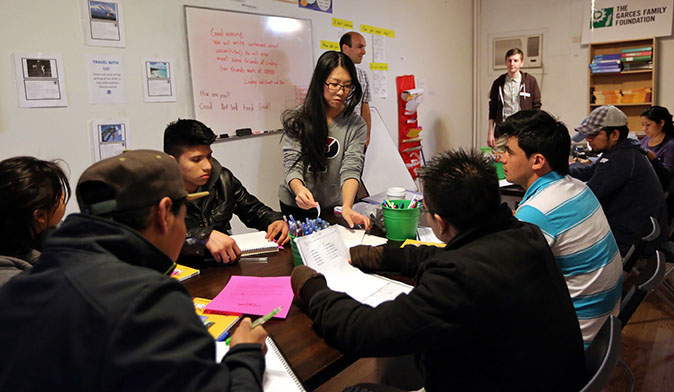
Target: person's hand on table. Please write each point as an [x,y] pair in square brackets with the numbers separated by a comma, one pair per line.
[223,248]
[365,257]
[352,217]
[245,334]
[277,229]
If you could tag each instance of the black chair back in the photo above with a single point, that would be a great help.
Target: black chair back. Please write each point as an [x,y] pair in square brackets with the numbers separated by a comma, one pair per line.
[649,278]
[602,355]
[650,233]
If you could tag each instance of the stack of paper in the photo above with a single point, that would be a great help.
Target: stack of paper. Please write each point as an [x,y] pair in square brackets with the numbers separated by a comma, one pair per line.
[326,252]
[253,295]
[637,95]
[607,97]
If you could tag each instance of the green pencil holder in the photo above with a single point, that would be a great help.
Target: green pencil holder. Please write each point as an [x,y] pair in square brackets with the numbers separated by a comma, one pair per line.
[499,170]
[297,258]
[401,223]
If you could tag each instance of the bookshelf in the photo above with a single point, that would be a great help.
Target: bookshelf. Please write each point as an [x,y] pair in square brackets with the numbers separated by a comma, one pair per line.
[625,80]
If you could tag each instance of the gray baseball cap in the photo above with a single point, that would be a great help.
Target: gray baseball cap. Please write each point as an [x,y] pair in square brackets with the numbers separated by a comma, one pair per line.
[130,180]
[600,118]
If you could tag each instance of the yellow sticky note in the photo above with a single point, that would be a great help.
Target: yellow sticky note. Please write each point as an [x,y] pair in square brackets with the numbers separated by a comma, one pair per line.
[377,30]
[379,66]
[330,45]
[414,132]
[347,24]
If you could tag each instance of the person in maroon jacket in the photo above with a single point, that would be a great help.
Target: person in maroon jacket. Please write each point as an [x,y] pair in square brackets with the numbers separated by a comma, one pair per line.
[511,92]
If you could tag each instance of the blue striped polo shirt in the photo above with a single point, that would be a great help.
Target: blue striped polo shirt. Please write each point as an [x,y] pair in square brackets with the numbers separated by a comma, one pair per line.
[574,224]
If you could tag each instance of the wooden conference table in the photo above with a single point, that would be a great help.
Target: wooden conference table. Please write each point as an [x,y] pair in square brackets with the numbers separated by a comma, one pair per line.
[312,360]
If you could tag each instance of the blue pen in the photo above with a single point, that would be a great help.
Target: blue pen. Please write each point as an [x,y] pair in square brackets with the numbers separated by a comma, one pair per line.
[291,218]
[224,336]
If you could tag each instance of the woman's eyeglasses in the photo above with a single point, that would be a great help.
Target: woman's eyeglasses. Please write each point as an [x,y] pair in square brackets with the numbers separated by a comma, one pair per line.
[335,87]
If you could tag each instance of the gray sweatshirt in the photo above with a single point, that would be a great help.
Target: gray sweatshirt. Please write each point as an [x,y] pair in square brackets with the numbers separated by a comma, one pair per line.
[345,151]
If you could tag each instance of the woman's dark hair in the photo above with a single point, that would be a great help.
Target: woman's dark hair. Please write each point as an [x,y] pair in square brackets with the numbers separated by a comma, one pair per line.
[27,184]
[308,123]
[660,113]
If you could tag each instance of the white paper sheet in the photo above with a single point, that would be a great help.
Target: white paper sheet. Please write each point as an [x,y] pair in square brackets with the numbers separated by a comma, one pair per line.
[158,80]
[326,252]
[39,78]
[106,79]
[103,23]
[109,138]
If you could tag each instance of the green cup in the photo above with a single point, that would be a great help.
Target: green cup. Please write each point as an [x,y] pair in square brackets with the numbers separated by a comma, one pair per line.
[297,258]
[401,223]
[499,170]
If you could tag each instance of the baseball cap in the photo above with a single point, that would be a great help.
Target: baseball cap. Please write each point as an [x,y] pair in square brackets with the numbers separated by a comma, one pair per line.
[601,117]
[130,180]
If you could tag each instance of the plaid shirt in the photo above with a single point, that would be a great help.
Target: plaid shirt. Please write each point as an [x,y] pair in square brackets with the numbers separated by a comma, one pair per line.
[365,85]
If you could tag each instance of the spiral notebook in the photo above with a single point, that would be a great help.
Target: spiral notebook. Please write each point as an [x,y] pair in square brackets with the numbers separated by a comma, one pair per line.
[254,243]
[278,376]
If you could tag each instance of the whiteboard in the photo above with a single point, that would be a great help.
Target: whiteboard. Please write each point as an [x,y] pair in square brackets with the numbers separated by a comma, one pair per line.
[246,69]
[383,165]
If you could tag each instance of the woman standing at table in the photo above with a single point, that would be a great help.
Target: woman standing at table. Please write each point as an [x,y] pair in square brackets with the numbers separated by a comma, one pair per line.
[33,196]
[656,122]
[323,144]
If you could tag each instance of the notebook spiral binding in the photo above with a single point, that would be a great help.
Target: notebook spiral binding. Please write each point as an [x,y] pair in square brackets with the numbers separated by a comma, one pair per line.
[271,345]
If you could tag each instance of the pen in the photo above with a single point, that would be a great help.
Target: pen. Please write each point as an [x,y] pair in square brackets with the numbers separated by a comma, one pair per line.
[261,320]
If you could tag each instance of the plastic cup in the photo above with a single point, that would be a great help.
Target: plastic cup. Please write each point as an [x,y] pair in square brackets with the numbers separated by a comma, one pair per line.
[401,223]
[297,258]
[395,192]
[499,170]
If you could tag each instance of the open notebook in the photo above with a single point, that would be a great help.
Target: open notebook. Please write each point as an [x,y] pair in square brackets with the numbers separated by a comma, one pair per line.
[254,243]
[278,376]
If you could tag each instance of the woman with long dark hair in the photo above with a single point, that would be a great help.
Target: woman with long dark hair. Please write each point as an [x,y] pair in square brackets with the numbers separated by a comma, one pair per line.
[656,122]
[33,197]
[324,142]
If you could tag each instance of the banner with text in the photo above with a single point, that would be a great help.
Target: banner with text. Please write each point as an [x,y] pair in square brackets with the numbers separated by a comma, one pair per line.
[614,20]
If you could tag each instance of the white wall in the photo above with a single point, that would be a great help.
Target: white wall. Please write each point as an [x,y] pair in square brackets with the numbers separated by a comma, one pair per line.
[563,78]
[433,41]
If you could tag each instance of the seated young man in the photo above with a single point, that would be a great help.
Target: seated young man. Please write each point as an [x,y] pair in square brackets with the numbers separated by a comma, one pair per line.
[567,212]
[207,220]
[99,310]
[622,179]
[489,311]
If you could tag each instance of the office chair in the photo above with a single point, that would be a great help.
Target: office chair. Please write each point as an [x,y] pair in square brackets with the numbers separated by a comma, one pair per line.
[602,355]
[649,278]
[648,235]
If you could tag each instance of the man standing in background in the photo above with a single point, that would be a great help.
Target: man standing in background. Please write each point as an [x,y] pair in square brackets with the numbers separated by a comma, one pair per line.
[353,45]
[511,92]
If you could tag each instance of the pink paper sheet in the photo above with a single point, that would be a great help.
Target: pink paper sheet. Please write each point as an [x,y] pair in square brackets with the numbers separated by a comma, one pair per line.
[253,295]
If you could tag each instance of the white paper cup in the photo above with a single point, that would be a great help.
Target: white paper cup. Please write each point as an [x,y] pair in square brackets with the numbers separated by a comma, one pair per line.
[395,192]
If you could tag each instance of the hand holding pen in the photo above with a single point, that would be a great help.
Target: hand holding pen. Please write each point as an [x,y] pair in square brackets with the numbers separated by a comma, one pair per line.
[250,329]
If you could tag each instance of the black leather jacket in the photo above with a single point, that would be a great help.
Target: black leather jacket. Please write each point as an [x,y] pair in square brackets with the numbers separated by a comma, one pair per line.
[227,197]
